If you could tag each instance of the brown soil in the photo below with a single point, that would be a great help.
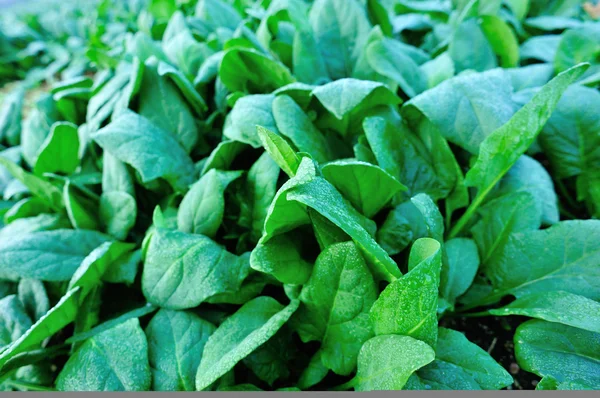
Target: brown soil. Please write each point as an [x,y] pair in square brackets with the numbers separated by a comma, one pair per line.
[495,335]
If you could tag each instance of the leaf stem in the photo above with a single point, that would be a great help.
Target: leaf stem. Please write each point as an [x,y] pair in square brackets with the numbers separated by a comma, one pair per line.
[466,217]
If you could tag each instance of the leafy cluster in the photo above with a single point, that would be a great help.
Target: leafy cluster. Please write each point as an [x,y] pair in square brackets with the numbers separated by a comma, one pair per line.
[292,195]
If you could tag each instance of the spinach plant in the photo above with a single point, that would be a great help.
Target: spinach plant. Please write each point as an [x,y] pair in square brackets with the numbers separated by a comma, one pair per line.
[246,195]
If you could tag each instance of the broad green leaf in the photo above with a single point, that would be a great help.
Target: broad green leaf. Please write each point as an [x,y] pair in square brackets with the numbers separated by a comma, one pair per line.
[440,375]
[185,86]
[500,218]
[181,47]
[60,151]
[326,232]
[518,133]
[321,196]
[38,186]
[422,164]
[432,217]
[463,264]
[47,255]
[43,222]
[223,155]
[118,212]
[389,58]
[531,76]
[556,306]
[271,361]
[570,252]
[294,124]
[36,126]
[438,69]
[335,304]
[501,37]
[528,175]
[116,176]
[82,209]
[104,101]
[281,258]
[576,46]
[340,28]
[408,306]
[251,326]
[124,268]
[117,360]
[133,314]
[29,207]
[247,113]
[163,105]
[202,208]
[250,71]
[470,48]
[465,109]
[454,348]
[569,141]
[396,232]
[261,187]
[134,140]
[93,266]
[218,13]
[368,187]
[559,351]
[176,340]
[285,215]
[58,317]
[541,48]
[252,286]
[183,270]
[281,152]
[314,373]
[14,321]
[34,298]
[11,114]
[386,362]
[349,100]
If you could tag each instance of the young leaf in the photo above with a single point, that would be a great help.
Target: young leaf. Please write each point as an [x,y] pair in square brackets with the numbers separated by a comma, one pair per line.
[463,264]
[60,151]
[116,360]
[559,351]
[355,180]
[321,196]
[408,306]
[294,124]
[281,152]
[176,340]
[251,326]
[38,186]
[47,255]
[34,298]
[556,306]
[335,304]
[58,317]
[201,210]
[454,348]
[136,141]
[570,252]
[386,362]
[519,132]
[183,270]
[281,258]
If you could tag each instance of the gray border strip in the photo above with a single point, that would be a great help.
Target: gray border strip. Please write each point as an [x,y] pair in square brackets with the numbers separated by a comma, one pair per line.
[320,394]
